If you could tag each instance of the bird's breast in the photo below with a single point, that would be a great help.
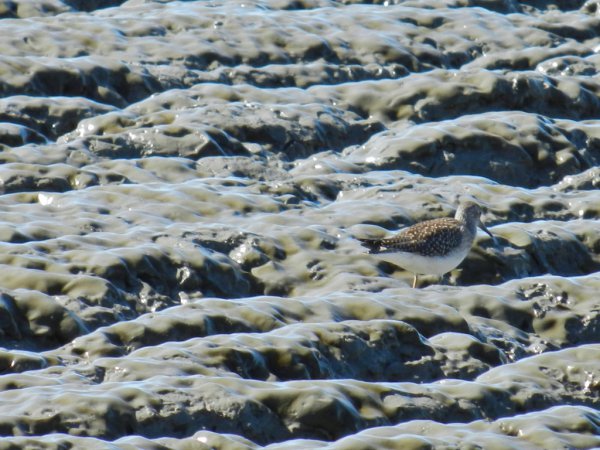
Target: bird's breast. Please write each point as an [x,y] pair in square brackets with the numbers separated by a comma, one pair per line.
[434,265]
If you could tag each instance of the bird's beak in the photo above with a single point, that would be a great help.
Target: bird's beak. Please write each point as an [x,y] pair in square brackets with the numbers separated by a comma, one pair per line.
[484,228]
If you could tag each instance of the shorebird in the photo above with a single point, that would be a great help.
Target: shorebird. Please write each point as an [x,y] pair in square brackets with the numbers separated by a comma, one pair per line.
[432,247]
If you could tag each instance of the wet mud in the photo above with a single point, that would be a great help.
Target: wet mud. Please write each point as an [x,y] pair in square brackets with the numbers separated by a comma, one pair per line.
[183,186]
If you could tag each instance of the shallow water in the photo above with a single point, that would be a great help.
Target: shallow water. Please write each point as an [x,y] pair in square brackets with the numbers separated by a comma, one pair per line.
[183,184]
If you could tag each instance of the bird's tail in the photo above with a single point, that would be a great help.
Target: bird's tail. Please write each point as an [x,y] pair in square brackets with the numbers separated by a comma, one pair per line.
[372,244]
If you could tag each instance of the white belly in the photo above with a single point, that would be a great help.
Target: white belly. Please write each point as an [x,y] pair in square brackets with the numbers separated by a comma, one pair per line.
[423,264]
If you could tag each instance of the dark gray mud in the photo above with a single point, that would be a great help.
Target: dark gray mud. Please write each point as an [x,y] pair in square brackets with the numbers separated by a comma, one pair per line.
[182,185]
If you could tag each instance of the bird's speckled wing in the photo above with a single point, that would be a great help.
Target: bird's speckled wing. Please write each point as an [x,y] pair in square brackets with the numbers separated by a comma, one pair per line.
[435,237]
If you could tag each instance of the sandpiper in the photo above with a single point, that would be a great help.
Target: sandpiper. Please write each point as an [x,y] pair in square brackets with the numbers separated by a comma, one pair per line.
[432,247]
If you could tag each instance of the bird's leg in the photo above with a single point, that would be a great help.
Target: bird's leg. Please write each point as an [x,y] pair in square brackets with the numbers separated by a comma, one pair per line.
[415,281]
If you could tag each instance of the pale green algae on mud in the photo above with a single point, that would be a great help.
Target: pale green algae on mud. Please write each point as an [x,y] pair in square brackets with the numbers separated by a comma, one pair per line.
[182,188]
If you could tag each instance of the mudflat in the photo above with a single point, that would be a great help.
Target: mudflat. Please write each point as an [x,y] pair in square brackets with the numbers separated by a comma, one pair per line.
[183,186]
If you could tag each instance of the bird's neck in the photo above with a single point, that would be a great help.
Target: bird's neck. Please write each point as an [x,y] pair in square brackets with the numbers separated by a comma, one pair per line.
[470,226]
